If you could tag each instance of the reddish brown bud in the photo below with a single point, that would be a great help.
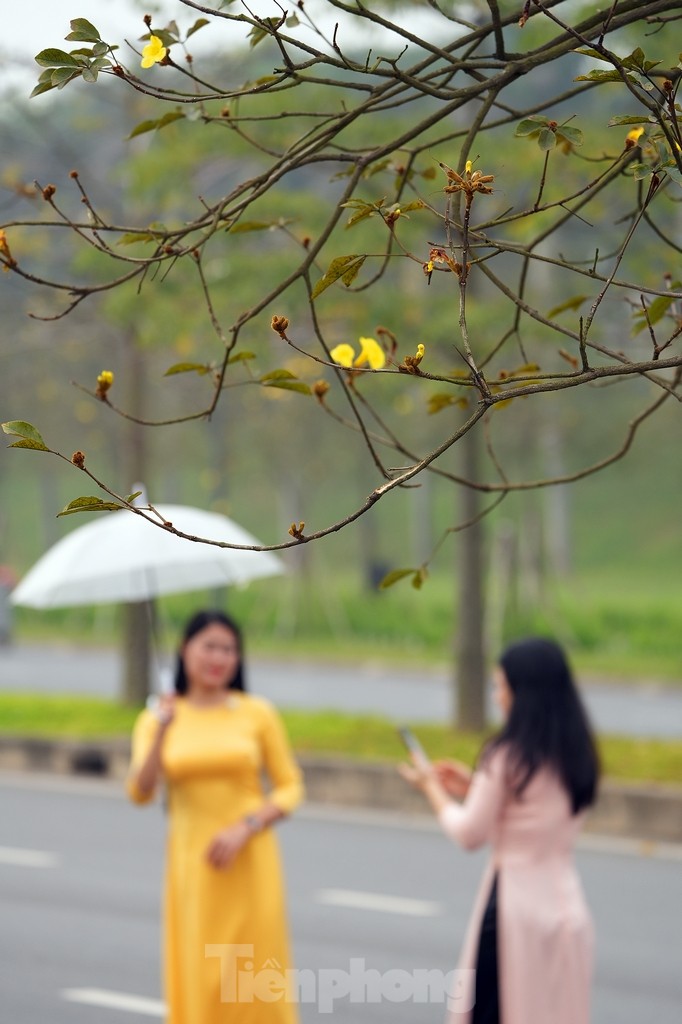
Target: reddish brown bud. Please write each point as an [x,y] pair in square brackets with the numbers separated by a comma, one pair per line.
[73,174]
[48,192]
[148,20]
[320,389]
[279,325]
[78,459]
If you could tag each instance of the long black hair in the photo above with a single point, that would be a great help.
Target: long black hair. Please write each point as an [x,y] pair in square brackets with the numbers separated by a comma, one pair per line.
[195,625]
[547,723]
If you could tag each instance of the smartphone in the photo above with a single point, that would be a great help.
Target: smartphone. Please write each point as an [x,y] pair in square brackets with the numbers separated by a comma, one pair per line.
[412,744]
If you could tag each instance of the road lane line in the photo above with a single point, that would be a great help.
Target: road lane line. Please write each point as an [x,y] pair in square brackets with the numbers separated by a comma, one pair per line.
[378,901]
[27,858]
[124,1001]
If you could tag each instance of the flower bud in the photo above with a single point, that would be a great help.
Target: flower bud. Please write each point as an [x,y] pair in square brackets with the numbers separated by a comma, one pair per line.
[279,325]
[78,459]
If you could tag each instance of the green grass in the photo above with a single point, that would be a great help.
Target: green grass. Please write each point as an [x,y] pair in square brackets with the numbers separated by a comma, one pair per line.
[325,732]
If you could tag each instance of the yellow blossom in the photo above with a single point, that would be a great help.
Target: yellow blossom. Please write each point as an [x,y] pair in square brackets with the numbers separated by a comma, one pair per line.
[104,382]
[343,355]
[632,137]
[153,53]
[371,353]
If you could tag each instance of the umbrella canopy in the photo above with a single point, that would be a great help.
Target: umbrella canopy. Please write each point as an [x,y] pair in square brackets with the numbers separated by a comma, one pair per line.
[121,557]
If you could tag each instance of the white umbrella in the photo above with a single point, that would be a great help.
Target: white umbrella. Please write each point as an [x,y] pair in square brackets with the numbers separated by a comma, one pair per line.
[121,557]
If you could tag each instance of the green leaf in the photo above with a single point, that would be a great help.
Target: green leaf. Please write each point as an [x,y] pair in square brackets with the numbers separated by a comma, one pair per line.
[99,49]
[196,26]
[591,53]
[573,303]
[35,445]
[416,204]
[352,272]
[641,171]
[256,36]
[439,402]
[531,125]
[292,21]
[546,139]
[88,503]
[601,76]
[200,368]
[656,310]
[83,31]
[89,75]
[132,237]
[155,125]
[277,375]
[638,119]
[289,385]
[62,76]
[42,87]
[572,135]
[394,577]
[674,174]
[20,428]
[241,357]
[337,268]
[419,578]
[131,497]
[52,58]
[251,225]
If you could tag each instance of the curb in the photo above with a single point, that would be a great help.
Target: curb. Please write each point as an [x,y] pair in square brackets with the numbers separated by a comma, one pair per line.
[650,812]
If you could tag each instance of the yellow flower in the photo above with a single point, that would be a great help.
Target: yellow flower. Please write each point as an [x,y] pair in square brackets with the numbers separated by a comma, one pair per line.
[153,53]
[372,353]
[632,137]
[343,355]
[104,382]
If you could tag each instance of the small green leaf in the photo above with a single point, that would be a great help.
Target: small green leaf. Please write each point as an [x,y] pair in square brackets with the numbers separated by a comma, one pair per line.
[591,53]
[292,21]
[250,225]
[416,204]
[546,139]
[438,402]
[638,119]
[338,267]
[277,375]
[573,303]
[196,26]
[52,58]
[99,49]
[83,31]
[89,75]
[656,310]
[601,76]
[394,577]
[352,272]
[241,357]
[200,368]
[42,87]
[289,385]
[531,125]
[131,497]
[35,445]
[88,503]
[154,125]
[62,76]
[572,135]
[20,428]
[419,578]
[132,237]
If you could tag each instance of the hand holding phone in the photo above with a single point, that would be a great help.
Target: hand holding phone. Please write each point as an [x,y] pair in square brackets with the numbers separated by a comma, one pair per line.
[419,756]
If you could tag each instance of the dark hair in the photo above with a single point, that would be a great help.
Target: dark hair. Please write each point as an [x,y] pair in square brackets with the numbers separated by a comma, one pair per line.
[547,723]
[195,625]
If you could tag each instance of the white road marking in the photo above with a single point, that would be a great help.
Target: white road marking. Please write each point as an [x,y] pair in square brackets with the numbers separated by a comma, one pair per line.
[378,901]
[27,858]
[115,1001]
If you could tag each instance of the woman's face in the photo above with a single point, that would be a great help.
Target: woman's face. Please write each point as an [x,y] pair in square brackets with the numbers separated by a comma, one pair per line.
[211,658]
[502,692]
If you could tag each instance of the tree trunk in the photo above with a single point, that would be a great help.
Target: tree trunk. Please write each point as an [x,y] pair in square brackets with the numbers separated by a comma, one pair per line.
[137,630]
[137,616]
[469,572]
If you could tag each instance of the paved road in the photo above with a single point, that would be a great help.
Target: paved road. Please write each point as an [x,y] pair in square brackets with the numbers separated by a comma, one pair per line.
[80,880]
[401,695]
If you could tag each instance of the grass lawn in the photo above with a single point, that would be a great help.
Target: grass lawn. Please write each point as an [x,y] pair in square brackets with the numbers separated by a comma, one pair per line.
[324,732]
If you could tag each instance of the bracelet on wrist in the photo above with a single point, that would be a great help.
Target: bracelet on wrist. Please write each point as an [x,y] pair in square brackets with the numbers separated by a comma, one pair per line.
[253,823]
